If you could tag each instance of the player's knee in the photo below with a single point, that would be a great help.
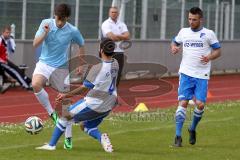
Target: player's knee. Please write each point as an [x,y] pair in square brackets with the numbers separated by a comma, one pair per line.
[183,103]
[36,86]
[200,104]
[62,121]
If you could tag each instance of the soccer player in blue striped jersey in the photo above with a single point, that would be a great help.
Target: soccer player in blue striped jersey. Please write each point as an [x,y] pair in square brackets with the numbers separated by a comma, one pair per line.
[55,35]
[99,101]
[199,47]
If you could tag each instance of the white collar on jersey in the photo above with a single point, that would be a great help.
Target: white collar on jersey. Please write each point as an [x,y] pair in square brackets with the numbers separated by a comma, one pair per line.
[110,19]
[54,23]
[108,61]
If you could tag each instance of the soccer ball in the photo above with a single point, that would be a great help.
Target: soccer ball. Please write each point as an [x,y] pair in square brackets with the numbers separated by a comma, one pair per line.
[33,125]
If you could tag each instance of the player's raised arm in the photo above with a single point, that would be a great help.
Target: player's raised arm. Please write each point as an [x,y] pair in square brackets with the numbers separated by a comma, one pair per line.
[41,35]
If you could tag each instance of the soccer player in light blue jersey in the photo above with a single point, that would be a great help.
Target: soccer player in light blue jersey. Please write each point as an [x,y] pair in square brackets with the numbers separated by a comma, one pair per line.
[99,101]
[200,46]
[55,35]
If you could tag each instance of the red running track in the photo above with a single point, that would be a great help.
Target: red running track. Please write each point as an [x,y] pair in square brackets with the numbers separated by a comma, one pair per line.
[17,104]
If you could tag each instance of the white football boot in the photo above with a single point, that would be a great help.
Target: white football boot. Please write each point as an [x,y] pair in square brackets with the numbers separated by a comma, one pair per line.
[46,147]
[106,144]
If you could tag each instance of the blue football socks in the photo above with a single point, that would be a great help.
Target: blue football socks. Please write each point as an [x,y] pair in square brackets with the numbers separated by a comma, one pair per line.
[197,116]
[94,132]
[180,118]
[58,131]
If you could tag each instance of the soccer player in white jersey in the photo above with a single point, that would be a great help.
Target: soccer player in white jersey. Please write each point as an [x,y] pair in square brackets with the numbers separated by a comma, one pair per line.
[55,35]
[199,47]
[99,101]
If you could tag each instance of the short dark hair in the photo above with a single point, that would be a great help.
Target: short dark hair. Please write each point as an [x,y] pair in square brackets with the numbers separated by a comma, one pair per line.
[6,27]
[108,46]
[62,11]
[196,10]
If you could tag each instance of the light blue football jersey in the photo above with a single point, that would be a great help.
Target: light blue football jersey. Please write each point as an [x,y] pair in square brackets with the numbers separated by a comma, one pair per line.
[55,46]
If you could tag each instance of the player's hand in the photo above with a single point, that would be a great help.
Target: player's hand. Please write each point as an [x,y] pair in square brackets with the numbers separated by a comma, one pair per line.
[46,28]
[175,49]
[59,98]
[79,70]
[204,59]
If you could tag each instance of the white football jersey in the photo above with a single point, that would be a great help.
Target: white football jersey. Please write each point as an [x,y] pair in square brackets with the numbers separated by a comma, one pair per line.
[195,44]
[103,95]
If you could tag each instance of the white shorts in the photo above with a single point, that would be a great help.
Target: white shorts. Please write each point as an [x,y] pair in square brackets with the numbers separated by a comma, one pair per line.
[58,77]
[44,69]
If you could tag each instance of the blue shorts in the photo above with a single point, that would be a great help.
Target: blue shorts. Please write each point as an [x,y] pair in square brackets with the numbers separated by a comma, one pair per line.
[190,87]
[82,112]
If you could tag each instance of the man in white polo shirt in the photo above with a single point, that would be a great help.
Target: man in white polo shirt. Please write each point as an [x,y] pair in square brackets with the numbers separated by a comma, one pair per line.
[117,31]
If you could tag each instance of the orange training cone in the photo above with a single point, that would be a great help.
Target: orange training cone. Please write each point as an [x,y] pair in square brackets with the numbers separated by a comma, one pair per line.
[209,94]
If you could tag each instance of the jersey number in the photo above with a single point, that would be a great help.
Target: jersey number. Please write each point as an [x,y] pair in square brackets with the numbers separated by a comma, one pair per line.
[112,86]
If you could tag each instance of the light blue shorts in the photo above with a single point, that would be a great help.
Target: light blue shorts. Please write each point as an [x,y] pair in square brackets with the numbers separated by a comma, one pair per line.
[190,87]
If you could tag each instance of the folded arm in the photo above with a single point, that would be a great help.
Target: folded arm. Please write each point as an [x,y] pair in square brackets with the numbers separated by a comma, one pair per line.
[121,37]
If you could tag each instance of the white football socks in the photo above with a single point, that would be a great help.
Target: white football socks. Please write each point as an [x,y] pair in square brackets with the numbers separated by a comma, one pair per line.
[68,131]
[43,98]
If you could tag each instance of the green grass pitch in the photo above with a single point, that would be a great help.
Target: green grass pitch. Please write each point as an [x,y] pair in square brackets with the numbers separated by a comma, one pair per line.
[136,136]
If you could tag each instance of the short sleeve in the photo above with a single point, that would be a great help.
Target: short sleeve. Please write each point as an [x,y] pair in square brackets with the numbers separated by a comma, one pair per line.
[93,73]
[213,41]
[40,30]
[178,38]
[106,28]
[124,28]
[77,37]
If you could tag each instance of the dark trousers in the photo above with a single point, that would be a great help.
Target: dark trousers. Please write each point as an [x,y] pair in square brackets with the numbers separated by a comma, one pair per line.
[4,77]
[119,56]
[15,73]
